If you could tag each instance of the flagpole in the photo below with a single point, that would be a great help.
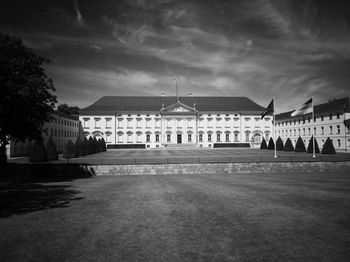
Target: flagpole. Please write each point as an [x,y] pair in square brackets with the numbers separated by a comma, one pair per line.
[274,122]
[313,119]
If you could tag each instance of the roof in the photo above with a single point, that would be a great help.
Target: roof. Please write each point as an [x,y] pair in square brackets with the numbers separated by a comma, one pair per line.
[336,105]
[58,113]
[108,104]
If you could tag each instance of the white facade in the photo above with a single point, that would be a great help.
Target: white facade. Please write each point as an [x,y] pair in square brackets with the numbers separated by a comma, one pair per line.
[178,125]
[329,123]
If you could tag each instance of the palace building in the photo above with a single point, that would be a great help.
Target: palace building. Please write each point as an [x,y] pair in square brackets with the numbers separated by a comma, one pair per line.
[165,121]
[61,128]
[331,120]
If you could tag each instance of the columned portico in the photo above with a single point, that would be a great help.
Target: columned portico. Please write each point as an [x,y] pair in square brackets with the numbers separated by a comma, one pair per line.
[179,125]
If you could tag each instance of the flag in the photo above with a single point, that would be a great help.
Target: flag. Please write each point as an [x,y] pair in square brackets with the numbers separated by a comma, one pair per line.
[269,109]
[306,108]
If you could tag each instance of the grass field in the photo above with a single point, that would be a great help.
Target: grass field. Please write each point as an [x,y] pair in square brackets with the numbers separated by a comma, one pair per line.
[239,217]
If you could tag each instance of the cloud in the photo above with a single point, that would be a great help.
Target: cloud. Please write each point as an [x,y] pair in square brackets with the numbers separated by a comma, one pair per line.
[80,19]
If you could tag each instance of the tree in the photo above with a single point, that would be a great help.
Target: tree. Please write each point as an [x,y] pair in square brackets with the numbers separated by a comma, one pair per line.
[300,146]
[51,149]
[328,147]
[263,144]
[279,144]
[104,145]
[68,110]
[69,150]
[288,146]
[25,93]
[271,145]
[37,152]
[79,147]
[310,146]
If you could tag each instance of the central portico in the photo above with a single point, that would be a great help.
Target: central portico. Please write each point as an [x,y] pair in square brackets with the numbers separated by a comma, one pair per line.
[179,124]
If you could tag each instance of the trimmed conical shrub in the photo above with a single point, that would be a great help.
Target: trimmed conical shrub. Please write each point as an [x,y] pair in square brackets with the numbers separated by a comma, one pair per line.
[288,146]
[328,147]
[279,144]
[91,146]
[85,146]
[69,150]
[263,144]
[96,145]
[100,145]
[79,147]
[271,145]
[51,149]
[300,146]
[310,146]
[37,152]
[104,145]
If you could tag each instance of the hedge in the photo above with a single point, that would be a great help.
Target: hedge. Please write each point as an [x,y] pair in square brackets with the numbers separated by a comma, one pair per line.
[288,146]
[69,150]
[263,144]
[86,146]
[310,146]
[271,145]
[300,146]
[328,147]
[104,145]
[279,144]
[51,149]
[37,152]
[91,146]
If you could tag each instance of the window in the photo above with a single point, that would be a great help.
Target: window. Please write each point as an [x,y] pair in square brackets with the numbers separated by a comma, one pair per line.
[129,123]
[201,122]
[168,137]
[309,131]
[148,123]
[315,131]
[189,138]
[200,138]
[138,138]
[227,122]
[247,137]
[295,132]
[321,117]
[209,137]
[157,123]
[148,138]
[168,123]
[338,129]
[97,123]
[218,122]
[86,122]
[218,137]
[157,137]
[227,137]
[322,130]
[120,138]
[129,137]
[257,138]
[120,123]
[210,123]
[108,123]
[338,115]
[189,123]
[330,116]
[108,138]
[339,144]
[236,137]
[139,123]
[330,130]
[179,123]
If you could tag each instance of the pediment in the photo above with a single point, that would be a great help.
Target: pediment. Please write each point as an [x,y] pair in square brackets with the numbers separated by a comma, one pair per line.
[179,108]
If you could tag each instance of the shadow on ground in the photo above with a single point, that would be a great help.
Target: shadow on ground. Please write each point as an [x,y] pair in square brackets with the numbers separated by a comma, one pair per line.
[29,188]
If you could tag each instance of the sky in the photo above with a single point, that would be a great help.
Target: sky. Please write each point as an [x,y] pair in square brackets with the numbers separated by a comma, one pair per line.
[292,50]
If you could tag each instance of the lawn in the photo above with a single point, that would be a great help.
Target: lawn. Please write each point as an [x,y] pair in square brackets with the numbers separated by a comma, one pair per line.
[238,217]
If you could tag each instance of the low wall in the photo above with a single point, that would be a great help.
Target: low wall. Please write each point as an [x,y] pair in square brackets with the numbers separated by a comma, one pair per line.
[220,168]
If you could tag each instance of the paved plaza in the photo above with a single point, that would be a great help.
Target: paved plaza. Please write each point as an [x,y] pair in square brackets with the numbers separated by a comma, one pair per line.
[238,217]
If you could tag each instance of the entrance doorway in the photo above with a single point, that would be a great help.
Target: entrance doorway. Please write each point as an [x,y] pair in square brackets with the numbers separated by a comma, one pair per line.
[179,138]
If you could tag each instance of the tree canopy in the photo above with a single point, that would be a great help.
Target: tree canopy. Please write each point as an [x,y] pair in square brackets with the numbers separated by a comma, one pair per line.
[68,110]
[26,98]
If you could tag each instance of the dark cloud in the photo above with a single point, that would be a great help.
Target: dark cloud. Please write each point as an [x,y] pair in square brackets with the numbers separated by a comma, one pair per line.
[258,48]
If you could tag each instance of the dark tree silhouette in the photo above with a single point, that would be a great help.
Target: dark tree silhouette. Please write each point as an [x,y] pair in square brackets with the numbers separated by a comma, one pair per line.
[263,144]
[68,110]
[51,149]
[288,146]
[328,147]
[271,145]
[300,146]
[279,144]
[310,146]
[69,150]
[79,147]
[37,152]
[25,93]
